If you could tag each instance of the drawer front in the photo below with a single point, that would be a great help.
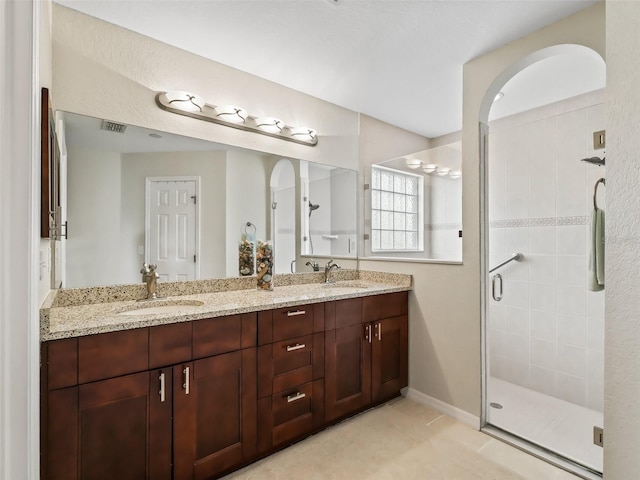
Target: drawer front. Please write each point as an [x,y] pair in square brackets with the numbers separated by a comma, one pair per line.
[292,403]
[348,312]
[215,336]
[292,354]
[169,344]
[62,362]
[390,305]
[292,322]
[295,416]
[112,354]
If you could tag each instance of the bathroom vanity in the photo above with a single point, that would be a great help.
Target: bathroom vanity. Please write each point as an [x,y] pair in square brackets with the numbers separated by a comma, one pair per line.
[228,377]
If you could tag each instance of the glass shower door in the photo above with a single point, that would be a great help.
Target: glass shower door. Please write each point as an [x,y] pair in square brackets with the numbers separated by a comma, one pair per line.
[544,326]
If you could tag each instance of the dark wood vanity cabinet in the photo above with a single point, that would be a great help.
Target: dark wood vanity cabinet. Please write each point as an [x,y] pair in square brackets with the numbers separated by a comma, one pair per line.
[366,352]
[290,374]
[189,418]
[195,400]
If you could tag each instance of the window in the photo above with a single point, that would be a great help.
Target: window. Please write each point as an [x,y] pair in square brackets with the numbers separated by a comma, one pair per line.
[396,211]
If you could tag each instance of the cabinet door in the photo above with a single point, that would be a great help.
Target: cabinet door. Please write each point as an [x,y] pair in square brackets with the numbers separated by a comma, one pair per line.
[215,404]
[347,370]
[118,428]
[389,363]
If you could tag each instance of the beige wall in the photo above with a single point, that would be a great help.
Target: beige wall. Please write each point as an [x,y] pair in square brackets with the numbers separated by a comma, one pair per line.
[622,309]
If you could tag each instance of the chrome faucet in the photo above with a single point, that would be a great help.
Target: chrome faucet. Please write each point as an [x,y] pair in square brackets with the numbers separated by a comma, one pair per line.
[150,277]
[313,264]
[327,270]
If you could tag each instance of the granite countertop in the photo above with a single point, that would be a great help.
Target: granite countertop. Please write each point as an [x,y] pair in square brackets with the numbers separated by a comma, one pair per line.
[88,317]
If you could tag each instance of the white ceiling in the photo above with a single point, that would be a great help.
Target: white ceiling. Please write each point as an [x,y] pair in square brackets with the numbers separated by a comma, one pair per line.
[396,60]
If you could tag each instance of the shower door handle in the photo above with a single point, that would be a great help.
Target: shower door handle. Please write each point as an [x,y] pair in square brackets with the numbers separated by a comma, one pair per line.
[496,280]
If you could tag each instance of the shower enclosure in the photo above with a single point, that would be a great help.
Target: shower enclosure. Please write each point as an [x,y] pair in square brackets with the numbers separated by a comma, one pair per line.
[544,326]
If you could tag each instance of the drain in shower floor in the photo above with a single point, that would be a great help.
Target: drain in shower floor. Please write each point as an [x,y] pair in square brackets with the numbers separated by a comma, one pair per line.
[495,405]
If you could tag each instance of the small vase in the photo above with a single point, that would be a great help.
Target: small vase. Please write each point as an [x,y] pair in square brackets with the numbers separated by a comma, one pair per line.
[264,266]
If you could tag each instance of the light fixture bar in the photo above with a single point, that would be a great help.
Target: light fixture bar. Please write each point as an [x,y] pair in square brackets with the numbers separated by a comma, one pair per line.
[234,117]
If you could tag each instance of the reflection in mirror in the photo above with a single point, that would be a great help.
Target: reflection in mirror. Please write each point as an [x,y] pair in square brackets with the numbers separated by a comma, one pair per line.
[329,211]
[135,195]
[414,208]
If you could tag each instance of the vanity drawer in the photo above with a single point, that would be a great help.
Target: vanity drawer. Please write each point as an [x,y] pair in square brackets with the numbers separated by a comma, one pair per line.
[290,415]
[61,357]
[107,355]
[288,363]
[292,322]
[169,344]
[215,336]
[377,307]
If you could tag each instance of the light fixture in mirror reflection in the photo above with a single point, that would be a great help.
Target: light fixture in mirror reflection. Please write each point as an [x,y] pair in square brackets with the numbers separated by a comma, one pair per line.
[191,105]
[128,196]
[413,209]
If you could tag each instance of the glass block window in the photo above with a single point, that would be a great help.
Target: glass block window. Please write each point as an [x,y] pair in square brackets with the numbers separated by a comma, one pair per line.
[396,211]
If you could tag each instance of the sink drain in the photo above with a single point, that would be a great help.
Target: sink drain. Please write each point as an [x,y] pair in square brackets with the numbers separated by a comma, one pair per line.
[495,405]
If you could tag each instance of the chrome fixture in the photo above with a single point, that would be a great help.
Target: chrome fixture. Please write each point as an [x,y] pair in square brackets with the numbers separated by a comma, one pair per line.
[327,270]
[496,280]
[595,191]
[515,256]
[190,105]
[150,277]
[594,161]
[314,265]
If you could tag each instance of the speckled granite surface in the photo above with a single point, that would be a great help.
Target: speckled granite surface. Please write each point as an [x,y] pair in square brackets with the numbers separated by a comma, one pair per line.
[87,311]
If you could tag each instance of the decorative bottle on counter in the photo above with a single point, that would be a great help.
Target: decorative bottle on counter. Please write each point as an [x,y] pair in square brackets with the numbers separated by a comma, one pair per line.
[247,250]
[246,258]
[264,265]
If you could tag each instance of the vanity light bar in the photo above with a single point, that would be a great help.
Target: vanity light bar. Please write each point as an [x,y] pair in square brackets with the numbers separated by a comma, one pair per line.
[190,105]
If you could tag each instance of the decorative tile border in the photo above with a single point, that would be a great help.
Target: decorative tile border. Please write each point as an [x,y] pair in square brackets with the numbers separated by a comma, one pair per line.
[539,222]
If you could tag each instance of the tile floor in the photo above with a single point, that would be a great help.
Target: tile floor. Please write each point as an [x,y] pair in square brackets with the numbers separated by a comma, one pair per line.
[547,421]
[400,440]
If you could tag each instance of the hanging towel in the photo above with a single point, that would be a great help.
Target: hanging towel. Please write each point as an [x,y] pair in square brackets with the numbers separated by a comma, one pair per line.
[596,260]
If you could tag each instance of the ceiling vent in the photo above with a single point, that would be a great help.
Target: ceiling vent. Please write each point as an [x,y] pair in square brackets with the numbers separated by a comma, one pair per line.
[113,126]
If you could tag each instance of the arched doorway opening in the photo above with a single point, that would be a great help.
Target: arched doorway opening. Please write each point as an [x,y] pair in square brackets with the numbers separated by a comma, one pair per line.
[544,323]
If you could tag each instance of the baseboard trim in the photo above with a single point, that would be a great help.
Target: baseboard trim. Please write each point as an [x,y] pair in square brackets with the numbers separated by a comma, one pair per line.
[443,407]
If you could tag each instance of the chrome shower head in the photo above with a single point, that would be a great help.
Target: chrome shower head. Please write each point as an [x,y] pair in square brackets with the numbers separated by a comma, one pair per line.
[594,161]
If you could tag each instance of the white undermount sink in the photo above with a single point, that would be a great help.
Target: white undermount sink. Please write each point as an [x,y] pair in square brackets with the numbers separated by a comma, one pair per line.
[162,306]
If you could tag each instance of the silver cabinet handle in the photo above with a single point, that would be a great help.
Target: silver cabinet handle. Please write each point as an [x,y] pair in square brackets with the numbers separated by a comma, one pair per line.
[295,396]
[378,332]
[367,332]
[185,384]
[295,313]
[161,392]
[297,346]
[496,279]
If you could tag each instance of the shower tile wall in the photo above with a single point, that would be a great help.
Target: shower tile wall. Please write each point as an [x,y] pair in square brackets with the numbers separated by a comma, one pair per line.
[547,333]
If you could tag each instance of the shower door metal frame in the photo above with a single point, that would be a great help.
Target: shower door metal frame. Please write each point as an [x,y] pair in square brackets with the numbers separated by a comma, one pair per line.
[495,431]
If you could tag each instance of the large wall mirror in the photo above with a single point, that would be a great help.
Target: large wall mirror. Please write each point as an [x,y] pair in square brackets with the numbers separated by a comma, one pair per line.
[134,195]
[413,207]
